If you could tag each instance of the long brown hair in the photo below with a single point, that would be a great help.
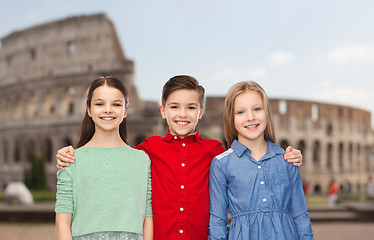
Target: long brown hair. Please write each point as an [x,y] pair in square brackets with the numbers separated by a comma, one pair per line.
[88,126]
[228,113]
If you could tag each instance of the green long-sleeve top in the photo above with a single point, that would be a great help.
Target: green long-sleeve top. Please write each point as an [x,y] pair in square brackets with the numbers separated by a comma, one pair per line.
[106,189]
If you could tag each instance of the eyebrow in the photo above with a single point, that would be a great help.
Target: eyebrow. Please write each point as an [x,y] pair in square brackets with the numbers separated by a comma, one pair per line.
[180,103]
[99,99]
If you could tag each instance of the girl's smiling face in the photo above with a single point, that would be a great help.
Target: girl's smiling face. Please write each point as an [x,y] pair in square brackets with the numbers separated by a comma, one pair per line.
[108,108]
[249,117]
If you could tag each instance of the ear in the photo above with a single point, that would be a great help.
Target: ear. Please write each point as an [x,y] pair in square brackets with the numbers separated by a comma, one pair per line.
[89,112]
[201,112]
[125,114]
[163,112]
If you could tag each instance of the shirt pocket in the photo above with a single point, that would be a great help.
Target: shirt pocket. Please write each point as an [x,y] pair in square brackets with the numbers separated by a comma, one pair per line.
[278,175]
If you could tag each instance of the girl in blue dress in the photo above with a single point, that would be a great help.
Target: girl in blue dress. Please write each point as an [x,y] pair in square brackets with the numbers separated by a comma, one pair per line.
[262,191]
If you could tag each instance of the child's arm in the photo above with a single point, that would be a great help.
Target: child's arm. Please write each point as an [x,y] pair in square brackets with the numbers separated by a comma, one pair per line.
[298,209]
[293,156]
[65,156]
[148,228]
[63,226]
[148,220]
[218,202]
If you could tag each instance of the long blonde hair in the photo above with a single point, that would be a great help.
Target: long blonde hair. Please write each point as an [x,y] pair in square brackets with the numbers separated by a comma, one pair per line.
[228,112]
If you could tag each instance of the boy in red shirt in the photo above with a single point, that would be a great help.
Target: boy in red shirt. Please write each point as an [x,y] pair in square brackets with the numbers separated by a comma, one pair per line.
[180,163]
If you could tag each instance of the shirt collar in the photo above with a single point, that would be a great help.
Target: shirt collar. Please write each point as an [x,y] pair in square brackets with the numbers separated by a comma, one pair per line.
[193,137]
[272,150]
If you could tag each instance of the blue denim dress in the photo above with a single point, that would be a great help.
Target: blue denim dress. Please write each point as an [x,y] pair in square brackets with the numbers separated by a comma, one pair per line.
[265,197]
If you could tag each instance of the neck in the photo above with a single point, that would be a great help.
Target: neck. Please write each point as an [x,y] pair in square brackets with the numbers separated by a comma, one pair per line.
[258,147]
[105,139]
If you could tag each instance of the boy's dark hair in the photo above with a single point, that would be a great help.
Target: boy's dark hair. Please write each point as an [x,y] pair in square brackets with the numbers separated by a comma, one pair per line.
[182,82]
[88,126]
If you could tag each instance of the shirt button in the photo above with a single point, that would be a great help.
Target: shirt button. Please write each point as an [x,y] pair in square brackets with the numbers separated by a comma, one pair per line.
[175,137]
[259,167]
[262,182]
[181,209]
[182,186]
[264,199]
[181,231]
[183,144]
[183,164]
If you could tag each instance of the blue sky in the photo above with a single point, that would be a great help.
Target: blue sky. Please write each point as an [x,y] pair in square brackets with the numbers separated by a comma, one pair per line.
[308,50]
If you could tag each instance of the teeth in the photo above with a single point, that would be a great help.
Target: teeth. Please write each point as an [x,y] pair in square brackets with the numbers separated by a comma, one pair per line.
[107,118]
[182,123]
[251,126]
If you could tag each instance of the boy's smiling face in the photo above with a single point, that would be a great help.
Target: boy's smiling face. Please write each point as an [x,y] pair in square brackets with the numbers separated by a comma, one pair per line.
[182,112]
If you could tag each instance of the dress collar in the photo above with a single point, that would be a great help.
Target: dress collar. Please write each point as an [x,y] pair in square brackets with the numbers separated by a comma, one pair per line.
[193,137]
[272,149]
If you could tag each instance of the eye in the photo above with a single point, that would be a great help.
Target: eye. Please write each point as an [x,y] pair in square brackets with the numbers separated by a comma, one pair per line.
[173,107]
[98,104]
[191,107]
[117,105]
[239,112]
[258,108]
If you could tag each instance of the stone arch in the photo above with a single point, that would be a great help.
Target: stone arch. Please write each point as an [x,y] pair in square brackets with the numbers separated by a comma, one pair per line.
[6,151]
[301,146]
[31,105]
[341,155]
[284,144]
[67,142]
[30,149]
[49,103]
[367,159]
[18,108]
[350,157]
[47,150]
[139,139]
[67,107]
[316,153]
[17,151]
[317,189]
[329,159]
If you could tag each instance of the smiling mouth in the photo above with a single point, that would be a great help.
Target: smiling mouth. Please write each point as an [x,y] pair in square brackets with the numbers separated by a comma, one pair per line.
[107,118]
[252,126]
[182,123]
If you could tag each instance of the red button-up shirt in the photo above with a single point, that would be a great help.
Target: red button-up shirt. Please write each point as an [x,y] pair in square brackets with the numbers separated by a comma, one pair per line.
[180,174]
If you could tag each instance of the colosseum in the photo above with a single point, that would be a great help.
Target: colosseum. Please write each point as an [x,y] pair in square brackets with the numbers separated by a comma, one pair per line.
[45,72]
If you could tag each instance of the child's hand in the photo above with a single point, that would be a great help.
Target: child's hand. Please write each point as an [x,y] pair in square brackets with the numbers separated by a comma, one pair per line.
[293,156]
[65,156]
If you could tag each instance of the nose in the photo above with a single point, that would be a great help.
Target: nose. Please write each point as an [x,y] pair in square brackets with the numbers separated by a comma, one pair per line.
[250,116]
[108,108]
[182,112]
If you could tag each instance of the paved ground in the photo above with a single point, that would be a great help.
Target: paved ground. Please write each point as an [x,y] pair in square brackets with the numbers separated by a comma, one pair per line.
[322,231]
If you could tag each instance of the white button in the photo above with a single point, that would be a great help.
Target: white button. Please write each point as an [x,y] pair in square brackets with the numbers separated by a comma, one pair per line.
[181,231]
[264,199]
[259,167]
[183,144]
[175,137]
[183,164]
[181,209]
[182,186]
[262,182]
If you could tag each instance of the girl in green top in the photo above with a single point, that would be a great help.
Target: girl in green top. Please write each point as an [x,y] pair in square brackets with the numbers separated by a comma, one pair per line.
[106,193]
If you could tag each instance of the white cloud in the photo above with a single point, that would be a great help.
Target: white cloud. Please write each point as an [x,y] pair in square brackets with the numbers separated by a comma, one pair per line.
[347,53]
[257,73]
[280,58]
